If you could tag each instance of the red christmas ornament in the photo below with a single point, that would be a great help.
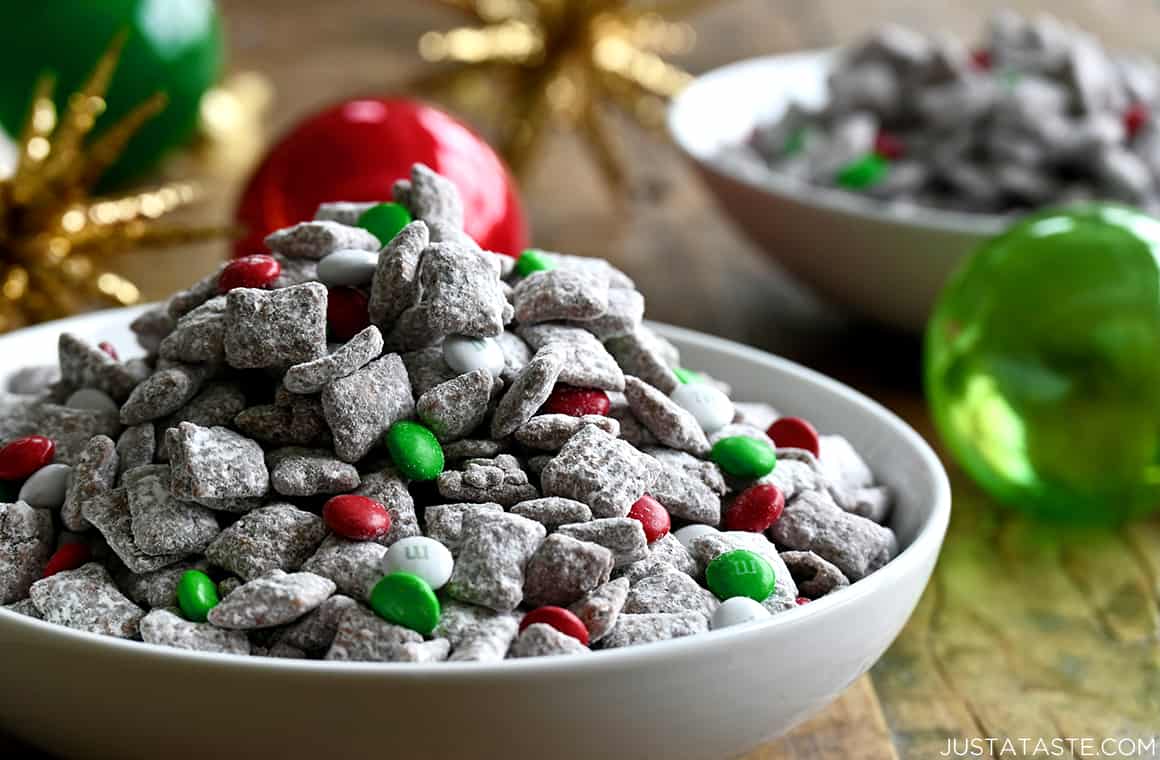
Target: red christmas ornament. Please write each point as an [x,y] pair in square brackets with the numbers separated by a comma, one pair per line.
[356,149]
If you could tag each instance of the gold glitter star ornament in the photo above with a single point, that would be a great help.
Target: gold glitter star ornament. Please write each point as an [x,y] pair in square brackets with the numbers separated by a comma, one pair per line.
[53,232]
[530,64]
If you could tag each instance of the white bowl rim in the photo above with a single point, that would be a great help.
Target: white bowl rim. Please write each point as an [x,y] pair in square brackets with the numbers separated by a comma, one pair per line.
[909,560]
[833,199]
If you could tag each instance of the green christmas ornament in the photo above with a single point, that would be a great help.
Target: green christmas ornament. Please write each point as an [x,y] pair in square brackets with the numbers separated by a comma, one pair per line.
[173,46]
[1043,364]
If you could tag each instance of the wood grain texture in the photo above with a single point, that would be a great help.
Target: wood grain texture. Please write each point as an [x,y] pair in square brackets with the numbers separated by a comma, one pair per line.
[1025,631]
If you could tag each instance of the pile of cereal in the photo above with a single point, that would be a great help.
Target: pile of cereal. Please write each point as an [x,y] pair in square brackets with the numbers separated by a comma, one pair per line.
[494,458]
[1038,114]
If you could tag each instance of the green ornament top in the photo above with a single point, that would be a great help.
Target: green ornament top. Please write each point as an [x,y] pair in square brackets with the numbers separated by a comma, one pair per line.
[1042,364]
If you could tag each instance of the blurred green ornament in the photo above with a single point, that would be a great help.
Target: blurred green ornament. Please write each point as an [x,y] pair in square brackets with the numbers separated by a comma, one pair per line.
[1043,364]
[174,46]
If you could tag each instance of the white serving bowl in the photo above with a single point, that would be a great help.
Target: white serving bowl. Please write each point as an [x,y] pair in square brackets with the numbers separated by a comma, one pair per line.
[710,696]
[883,262]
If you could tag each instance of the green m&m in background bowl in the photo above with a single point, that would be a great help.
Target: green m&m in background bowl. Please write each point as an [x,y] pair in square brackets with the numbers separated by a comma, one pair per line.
[1042,364]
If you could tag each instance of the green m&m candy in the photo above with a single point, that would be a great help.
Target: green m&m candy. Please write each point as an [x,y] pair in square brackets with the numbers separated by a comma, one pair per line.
[686,376]
[196,595]
[406,600]
[384,221]
[415,450]
[744,457]
[863,172]
[533,260]
[741,573]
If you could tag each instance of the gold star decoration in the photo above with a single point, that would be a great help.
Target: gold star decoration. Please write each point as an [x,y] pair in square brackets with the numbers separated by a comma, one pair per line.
[527,65]
[53,232]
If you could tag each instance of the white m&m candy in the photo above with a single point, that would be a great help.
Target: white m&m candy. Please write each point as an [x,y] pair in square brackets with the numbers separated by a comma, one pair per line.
[687,534]
[348,268]
[465,354]
[45,488]
[710,407]
[421,556]
[737,610]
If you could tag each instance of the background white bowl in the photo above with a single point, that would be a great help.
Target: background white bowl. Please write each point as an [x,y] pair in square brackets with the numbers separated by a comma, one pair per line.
[710,696]
[882,262]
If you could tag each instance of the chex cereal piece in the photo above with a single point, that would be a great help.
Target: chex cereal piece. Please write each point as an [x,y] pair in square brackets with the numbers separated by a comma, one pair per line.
[31,381]
[643,355]
[647,628]
[24,607]
[185,301]
[432,197]
[300,422]
[427,369]
[352,565]
[623,317]
[168,629]
[307,472]
[280,536]
[599,609]
[688,487]
[549,432]
[873,503]
[25,545]
[477,634]
[560,294]
[670,592]
[500,480]
[229,585]
[516,354]
[85,366]
[70,428]
[294,271]
[605,473]
[564,569]
[86,599]
[363,636]
[708,547]
[94,472]
[435,650]
[587,364]
[842,464]
[161,523]
[152,326]
[360,407]
[136,446]
[813,522]
[459,293]
[272,600]
[669,423]
[473,448]
[313,376]
[215,405]
[528,392]
[490,568]
[157,588]
[632,430]
[797,470]
[162,393]
[109,513]
[215,463]
[314,632]
[665,554]
[388,488]
[445,521]
[457,407]
[198,335]
[275,328]
[615,277]
[553,511]
[317,240]
[542,640]
[757,414]
[343,212]
[814,576]
[623,536]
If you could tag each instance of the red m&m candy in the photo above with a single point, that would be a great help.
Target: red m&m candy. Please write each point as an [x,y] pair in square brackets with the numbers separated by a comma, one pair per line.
[1135,117]
[652,516]
[346,311]
[577,402]
[889,146]
[67,557]
[559,618]
[109,349]
[24,456]
[356,517]
[794,433]
[258,271]
[755,509]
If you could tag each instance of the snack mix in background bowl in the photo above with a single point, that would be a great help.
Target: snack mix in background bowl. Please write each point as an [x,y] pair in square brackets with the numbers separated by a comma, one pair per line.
[382,443]
[1038,113]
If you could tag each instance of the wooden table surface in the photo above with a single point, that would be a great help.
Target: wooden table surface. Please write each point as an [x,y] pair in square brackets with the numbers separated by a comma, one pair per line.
[1026,630]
